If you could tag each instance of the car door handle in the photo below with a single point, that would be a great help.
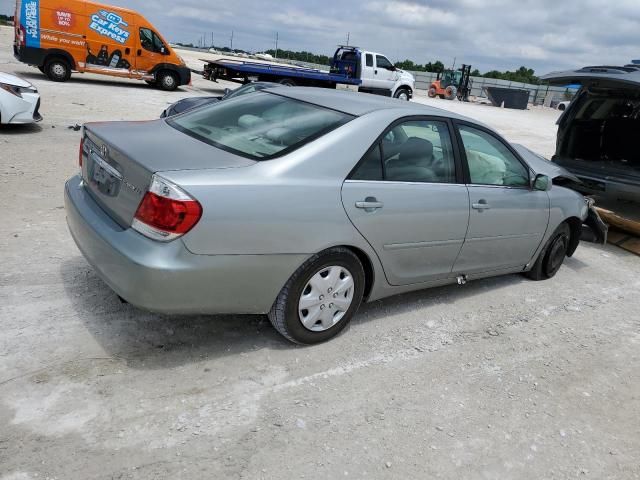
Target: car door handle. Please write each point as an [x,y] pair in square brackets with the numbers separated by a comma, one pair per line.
[370,204]
[481,205]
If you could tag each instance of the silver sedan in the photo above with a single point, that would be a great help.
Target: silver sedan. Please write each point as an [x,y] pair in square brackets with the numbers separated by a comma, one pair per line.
[301,203]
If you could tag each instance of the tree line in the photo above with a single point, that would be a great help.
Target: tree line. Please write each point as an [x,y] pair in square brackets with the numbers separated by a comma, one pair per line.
[522,74]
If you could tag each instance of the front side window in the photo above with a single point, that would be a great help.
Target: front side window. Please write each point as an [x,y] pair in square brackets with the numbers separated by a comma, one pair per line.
[369,60]
[150,41]
[259,125]
[383,62]
[412,151]
[490,161]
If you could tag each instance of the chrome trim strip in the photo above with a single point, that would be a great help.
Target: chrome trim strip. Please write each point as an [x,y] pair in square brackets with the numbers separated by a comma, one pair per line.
[436,243]
[58,32]
[502,237]
[104,165]
[389,182]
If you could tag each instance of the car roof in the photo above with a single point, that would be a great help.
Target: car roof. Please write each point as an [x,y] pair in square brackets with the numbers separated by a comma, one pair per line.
[359,104]
[628,75]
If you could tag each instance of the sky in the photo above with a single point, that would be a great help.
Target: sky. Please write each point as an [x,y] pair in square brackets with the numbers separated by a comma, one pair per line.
[545,35]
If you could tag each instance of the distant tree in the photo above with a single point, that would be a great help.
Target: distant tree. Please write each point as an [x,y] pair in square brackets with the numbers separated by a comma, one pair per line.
[475,73]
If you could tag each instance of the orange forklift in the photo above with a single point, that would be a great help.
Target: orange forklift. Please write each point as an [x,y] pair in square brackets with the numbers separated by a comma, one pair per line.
[450,84]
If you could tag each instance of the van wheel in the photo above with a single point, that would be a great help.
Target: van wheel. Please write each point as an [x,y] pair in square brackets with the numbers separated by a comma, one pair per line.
[320,298]
[58,70]
[167,81]
[552,255]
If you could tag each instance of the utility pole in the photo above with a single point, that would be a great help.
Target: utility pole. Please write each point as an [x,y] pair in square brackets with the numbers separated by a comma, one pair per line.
[276,45]
[231,40]
[212,45]
[348,35]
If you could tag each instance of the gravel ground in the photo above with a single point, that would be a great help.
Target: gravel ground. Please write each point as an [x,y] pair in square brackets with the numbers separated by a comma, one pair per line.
[500,378]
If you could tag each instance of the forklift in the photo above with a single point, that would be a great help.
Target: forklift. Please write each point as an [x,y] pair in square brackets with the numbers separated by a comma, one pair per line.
[450,84]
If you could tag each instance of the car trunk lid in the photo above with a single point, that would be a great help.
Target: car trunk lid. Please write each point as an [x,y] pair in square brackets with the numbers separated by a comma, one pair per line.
[120,158]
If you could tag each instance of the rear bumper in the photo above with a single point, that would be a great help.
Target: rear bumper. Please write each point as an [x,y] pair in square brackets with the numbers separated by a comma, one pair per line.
[166,277]
[30,55]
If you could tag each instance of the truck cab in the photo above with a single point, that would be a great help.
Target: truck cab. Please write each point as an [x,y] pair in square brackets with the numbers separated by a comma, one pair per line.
[377,74]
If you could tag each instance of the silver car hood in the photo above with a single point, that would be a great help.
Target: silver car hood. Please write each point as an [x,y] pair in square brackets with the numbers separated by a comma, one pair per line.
[541,165]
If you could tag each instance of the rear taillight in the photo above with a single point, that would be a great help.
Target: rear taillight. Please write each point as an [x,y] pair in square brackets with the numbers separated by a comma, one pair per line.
[22,36]
[166,211]
[81,152]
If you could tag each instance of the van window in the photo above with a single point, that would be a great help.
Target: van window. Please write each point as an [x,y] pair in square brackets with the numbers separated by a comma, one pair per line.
[150,41]
[259,125]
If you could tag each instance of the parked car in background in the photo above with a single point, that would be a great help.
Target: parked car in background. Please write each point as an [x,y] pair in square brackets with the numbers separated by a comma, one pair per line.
[192,102]
[19,100]
[301,203]
[597,132]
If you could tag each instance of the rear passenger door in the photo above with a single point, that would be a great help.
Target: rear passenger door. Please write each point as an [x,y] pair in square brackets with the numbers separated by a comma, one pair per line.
[368,69]
[406,198]
[508,219]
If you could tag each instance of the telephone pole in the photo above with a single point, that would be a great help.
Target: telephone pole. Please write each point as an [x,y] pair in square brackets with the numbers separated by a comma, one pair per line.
[231,40]
[348,35]
[276,56]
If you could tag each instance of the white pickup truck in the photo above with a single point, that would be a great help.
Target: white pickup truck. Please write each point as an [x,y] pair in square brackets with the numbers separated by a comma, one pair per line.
[370,72]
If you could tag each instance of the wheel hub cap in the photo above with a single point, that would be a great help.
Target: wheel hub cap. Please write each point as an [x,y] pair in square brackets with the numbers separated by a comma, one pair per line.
[58,70]
[326,298]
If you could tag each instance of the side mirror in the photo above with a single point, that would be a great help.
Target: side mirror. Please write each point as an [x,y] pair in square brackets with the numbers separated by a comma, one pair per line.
[164,51]
[542,183]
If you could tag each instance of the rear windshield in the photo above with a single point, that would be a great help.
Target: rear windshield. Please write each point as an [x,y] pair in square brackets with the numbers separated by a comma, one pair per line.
[259,125]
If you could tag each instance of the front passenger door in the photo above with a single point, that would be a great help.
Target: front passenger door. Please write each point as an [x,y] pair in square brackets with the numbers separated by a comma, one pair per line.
[508,219]
[150,50]
[405,199]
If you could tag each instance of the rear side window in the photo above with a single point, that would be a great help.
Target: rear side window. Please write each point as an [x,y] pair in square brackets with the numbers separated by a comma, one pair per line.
[369,59]
[259,125]
[413,151]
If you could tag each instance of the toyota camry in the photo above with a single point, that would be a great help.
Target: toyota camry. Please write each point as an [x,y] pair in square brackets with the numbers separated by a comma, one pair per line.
[302,203]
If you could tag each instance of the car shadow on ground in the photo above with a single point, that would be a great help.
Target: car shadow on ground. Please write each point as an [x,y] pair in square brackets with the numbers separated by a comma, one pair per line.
[20,129]
[152,341]
[38,78]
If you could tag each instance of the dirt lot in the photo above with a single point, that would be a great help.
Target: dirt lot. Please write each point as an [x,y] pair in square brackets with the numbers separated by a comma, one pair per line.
[498,379]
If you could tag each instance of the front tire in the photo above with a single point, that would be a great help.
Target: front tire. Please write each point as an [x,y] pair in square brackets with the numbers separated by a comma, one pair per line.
[402,94]
[320,298]
[58,70]
[552,255]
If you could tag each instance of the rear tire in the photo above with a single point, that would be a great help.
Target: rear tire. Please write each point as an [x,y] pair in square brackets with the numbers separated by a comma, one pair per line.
[432,92]
[552,255]
[167,81]
[57,69]
[335,275]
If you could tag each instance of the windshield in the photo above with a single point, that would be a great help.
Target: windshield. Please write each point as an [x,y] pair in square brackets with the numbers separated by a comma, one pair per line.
[259,125]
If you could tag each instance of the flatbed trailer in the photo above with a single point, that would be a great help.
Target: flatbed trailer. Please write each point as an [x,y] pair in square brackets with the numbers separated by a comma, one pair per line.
[244,72]
[369,72]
